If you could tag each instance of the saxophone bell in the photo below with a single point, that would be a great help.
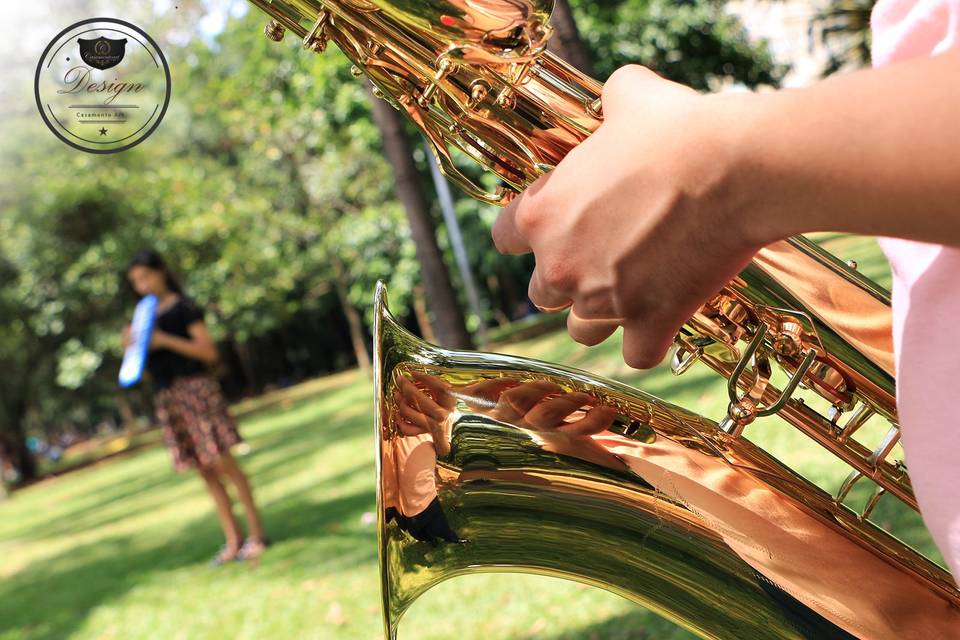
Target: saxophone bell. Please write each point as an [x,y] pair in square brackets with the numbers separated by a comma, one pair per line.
[496,463]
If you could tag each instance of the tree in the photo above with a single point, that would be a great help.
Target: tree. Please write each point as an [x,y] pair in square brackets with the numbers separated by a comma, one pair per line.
[566,41]
[693,42]
[450,327]
[268,186]
[844,28]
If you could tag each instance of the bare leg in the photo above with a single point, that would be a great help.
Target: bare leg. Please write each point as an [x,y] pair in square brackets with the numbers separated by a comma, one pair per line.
[232,470]
[231,529]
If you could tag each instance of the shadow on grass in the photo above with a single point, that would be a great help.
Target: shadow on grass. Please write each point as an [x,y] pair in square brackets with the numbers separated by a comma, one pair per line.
[275,456]
[60,591]
[49,599]
[296,524]
[636,625]
[89,511]
[316,526]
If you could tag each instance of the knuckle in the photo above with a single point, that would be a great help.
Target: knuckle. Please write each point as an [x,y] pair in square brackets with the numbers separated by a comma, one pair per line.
[531,214]
[623,79]
[641,307]
[558,275]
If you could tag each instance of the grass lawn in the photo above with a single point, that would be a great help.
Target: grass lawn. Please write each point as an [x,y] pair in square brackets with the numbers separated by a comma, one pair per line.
[120,549]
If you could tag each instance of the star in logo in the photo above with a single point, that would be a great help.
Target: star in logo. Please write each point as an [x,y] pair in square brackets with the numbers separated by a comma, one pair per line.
[103,131]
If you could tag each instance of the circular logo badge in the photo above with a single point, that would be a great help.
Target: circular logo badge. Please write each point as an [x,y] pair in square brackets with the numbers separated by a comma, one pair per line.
[102,85]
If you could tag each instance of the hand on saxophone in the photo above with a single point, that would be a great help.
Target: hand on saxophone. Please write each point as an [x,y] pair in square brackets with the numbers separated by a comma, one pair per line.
[675,191]
[632,228]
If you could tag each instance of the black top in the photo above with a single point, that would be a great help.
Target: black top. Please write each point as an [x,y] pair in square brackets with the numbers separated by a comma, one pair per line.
[165,365]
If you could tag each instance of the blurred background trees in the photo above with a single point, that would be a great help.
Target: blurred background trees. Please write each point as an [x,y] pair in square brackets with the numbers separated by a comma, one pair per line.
[843,26]
[269,190]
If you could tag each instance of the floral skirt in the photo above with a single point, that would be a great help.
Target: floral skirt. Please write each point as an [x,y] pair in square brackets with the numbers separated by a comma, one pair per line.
[196,425]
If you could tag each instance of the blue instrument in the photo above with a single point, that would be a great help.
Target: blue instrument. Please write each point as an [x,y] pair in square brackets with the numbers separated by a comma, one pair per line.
[141,329]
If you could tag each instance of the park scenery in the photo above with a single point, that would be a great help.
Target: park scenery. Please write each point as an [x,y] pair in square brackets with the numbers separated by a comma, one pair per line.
[267,190]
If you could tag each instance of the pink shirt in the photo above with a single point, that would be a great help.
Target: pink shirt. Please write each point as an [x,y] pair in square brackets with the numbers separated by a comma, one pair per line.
[926,302]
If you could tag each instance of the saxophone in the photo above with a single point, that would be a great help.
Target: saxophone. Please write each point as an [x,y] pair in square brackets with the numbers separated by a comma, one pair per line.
[494,463]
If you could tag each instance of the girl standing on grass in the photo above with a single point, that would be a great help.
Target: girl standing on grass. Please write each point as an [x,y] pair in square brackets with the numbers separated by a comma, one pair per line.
[190,406]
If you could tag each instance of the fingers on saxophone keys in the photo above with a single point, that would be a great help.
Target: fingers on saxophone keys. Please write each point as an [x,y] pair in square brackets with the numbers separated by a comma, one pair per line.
[645,343]
[589,332]
[506,234]
[525,217]
[547,289]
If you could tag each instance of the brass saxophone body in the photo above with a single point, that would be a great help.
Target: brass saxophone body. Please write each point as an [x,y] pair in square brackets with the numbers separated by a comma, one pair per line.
[479,468]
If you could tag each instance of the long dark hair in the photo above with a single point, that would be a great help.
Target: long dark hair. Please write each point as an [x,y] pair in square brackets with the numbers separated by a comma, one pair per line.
[152,260]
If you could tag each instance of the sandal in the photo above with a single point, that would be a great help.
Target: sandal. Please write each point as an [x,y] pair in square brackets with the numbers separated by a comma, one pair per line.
[253,548]
[226,554]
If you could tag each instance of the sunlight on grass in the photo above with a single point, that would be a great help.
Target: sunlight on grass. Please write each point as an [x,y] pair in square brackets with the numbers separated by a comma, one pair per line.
[120,549]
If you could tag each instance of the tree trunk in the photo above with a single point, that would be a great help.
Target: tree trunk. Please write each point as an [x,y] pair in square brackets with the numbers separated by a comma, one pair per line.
[566,41]
[493,285]
[353,319]
[448,316]
[15,439]
[127,416]
[246,363]
[423,318]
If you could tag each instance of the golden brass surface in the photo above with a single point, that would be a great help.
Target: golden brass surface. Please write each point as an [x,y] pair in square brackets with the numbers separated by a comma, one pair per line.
[663,506]
[488,462]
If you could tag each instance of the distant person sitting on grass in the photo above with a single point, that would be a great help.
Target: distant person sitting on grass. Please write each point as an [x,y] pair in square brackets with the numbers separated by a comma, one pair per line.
[190,406]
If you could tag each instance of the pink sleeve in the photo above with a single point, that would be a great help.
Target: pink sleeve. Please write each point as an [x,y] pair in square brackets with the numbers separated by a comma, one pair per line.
[904,29]
[926,303]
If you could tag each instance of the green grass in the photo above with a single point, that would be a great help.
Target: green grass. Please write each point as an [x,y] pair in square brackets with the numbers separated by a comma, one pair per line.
[120,549]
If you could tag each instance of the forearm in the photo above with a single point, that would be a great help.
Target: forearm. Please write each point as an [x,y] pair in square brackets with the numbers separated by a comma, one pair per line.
[191,349]
[875,152]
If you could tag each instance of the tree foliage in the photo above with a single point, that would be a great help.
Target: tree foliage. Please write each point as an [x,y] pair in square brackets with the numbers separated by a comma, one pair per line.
[696,43]
[843,26]
[265,183]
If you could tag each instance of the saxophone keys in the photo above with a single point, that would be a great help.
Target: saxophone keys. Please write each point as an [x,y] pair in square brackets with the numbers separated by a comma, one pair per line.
[739,415]
[479,91]
[274,31]
[852,478]
[833,414]
[878,492]
[316,38]
[886,445]
[444,68]
[506,99]
[684,357]
[787,342]
[595,108]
